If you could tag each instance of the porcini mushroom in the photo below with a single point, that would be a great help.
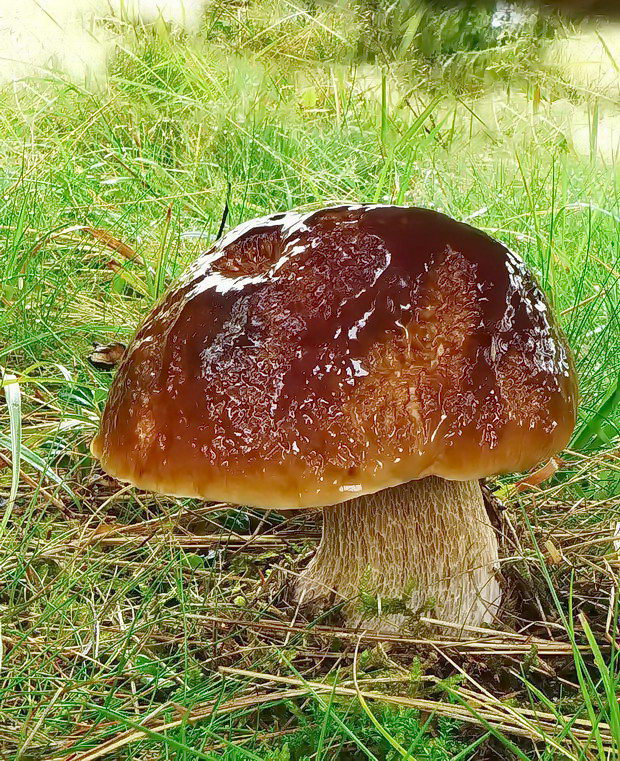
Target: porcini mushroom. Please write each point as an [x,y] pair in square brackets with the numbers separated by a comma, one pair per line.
[376,361]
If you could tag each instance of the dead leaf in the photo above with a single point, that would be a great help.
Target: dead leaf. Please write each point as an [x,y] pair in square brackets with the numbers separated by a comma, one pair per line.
[543,473]
[106,356]
[114,244]
[101,236]
[555,556]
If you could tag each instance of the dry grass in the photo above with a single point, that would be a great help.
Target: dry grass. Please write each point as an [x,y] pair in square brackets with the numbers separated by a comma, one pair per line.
[236,621]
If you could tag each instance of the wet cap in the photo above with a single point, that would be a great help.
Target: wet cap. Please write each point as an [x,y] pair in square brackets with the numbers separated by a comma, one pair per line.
[311,358]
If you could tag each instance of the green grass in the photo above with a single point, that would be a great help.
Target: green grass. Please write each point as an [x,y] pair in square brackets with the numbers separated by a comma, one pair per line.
[108,596]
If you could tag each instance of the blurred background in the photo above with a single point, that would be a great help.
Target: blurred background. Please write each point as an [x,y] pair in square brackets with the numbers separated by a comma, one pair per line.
[501,112]
[519,65]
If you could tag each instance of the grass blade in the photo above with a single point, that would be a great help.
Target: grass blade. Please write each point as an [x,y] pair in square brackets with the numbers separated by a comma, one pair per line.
[12,394]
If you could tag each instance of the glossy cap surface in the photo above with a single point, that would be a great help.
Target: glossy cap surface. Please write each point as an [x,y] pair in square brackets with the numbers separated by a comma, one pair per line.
[308,359]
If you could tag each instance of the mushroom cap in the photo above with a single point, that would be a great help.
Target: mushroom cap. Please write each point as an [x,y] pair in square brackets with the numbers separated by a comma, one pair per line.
[308,359]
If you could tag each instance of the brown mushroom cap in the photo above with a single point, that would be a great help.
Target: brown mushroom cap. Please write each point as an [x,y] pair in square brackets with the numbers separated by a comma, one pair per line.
[311,358]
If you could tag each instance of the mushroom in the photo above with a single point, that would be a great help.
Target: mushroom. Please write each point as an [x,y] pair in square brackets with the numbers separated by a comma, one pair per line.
[374,361]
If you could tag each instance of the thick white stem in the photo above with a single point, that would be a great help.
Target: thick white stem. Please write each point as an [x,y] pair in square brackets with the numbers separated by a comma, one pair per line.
[427,543]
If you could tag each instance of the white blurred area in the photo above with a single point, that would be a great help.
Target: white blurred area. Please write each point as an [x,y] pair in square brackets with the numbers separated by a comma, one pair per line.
[512,119]
[71,37]
[589,60]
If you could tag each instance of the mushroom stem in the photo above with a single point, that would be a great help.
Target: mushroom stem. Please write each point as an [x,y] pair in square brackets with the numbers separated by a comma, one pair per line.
[424,546]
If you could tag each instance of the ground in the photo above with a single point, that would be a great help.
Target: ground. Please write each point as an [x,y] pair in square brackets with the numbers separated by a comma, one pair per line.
[138,626]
